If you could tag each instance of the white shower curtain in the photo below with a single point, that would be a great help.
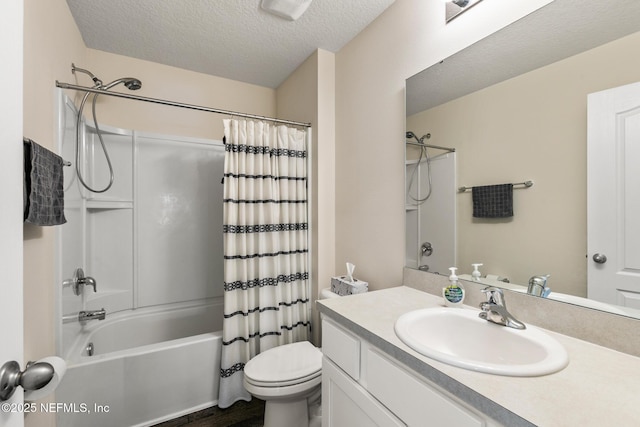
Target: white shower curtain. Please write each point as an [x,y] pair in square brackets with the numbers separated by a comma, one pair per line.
[266,301]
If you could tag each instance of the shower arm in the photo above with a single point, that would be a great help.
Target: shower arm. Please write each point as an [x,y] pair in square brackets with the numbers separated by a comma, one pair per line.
[450,150]
[96,80]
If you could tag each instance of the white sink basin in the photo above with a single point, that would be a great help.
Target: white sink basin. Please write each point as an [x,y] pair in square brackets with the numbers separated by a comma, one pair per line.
[458,337]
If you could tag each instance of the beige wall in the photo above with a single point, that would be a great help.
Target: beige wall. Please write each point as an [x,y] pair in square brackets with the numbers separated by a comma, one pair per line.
[533,127]
[370,74]
[51,43]
[175,84]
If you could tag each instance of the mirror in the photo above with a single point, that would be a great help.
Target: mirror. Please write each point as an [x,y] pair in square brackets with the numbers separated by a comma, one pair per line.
[514,108]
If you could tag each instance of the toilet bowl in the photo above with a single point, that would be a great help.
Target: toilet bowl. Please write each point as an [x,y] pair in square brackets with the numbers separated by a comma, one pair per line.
[286,377]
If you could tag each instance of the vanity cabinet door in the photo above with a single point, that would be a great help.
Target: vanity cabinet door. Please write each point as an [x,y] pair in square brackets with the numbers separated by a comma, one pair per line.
[415,402]
[346,404]
[342,348]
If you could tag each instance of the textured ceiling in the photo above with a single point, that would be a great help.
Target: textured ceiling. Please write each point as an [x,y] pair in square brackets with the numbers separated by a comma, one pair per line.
[235,39]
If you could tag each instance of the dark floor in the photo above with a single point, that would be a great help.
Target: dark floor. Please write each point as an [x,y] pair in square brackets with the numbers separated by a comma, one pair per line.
[240,414]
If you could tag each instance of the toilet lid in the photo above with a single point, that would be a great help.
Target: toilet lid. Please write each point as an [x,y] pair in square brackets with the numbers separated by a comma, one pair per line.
[285,363]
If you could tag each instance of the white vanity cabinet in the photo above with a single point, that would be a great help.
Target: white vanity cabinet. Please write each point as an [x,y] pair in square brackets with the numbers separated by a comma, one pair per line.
[361,386]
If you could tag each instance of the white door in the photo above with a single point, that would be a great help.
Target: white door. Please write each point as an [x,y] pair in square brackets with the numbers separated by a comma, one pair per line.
[11,27]
[613,196]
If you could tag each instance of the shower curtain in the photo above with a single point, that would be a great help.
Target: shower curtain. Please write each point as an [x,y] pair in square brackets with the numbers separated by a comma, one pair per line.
[266,301]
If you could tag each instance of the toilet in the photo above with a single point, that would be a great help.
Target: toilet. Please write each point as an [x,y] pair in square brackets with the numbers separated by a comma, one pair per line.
[288,378]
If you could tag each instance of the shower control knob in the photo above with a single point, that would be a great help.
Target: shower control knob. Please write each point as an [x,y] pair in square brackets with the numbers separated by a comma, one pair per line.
[426,249]
[600,258]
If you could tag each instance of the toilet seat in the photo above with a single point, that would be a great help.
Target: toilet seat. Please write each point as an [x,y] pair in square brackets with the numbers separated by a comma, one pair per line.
[285,365]
[284,383]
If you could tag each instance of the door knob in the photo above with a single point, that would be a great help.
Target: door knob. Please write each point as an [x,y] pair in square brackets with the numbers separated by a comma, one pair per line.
[34,377]
[600,258]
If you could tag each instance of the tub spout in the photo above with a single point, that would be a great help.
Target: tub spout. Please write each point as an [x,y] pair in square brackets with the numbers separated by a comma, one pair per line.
[83,316]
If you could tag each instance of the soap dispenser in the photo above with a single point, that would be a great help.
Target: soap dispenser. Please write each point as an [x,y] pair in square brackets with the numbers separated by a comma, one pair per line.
[454,293]
[475,274]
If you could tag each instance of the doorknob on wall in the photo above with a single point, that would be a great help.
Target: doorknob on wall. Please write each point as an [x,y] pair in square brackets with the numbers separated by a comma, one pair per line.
[600,258]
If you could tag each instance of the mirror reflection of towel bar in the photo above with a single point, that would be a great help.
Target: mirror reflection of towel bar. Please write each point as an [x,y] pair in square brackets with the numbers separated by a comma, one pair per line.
[525,184]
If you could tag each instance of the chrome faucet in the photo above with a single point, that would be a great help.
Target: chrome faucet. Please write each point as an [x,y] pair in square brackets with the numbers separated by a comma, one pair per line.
[538,286]
[79,280]
[83,316]
[494,309]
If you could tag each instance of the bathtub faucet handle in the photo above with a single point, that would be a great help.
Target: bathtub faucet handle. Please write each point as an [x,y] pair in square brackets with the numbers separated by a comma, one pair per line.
[78,280]
[90,281]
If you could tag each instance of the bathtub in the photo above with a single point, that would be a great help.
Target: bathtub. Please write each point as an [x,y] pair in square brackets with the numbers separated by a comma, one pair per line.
[148,366]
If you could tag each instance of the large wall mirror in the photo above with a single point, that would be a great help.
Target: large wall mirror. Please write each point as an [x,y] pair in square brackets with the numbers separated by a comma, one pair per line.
[513,108]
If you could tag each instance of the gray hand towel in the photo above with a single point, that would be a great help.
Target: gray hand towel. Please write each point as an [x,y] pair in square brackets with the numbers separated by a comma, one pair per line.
[493,201]
[43,185]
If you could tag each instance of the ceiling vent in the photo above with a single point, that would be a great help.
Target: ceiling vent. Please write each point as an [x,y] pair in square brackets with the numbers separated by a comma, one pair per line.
[287,9]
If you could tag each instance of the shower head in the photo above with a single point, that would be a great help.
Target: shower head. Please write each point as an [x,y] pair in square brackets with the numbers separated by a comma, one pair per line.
[410,135]
[133,84]
[130,83]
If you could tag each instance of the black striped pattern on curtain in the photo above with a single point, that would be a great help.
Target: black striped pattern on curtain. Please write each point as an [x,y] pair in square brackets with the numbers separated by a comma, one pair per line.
[265,246]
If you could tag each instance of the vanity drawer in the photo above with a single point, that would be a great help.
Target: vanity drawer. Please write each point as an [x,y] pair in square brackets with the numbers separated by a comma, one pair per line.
[413,401]
[342,348]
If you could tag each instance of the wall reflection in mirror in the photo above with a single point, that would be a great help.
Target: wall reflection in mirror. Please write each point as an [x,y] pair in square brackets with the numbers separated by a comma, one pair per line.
[520,114]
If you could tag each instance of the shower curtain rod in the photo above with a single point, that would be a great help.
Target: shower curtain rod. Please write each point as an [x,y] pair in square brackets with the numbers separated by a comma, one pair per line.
[450,150]
[178,104]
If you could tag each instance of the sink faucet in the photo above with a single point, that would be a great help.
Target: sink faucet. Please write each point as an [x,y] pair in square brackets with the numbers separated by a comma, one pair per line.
[494,309]
[538,286]
[101,314]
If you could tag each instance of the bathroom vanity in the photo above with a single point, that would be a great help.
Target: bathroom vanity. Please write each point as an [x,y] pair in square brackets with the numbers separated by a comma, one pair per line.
[371,378]
[362,386]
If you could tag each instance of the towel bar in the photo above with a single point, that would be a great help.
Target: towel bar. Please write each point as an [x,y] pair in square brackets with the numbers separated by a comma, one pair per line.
[525,184]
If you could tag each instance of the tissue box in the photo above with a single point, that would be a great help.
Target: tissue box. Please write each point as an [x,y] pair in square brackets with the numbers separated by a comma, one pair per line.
[342,286]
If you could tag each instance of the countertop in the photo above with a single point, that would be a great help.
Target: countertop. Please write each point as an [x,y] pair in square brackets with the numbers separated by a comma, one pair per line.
[599,387]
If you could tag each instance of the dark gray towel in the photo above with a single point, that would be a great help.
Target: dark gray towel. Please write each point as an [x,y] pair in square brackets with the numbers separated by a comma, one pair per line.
[493,201]
[43,186]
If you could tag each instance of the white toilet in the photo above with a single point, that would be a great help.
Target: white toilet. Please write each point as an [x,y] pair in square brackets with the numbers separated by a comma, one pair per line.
[287,378]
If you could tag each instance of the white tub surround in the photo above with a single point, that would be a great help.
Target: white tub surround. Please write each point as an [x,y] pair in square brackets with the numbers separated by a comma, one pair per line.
[599,386]
[150,366]
[153,244]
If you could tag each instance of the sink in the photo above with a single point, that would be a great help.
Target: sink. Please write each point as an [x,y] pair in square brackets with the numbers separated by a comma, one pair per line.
[458,337]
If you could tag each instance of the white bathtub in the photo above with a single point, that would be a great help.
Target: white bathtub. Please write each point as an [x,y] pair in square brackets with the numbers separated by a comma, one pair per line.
[149,366]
